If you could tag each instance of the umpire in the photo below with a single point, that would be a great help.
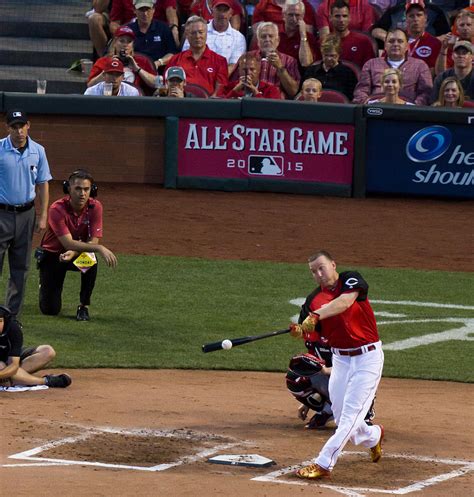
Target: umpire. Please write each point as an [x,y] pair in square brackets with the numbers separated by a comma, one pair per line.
[24,171]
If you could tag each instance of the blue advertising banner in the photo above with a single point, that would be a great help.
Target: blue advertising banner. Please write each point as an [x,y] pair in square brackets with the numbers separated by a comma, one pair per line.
[419,158]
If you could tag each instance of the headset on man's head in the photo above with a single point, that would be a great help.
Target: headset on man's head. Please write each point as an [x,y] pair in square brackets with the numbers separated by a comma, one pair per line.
[83,174]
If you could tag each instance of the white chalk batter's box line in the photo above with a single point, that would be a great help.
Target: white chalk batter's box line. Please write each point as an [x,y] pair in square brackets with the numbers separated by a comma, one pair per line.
[30,455]
[466,467]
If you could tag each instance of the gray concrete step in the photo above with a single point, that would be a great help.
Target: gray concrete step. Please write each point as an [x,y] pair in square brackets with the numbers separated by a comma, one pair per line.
[40,39]
[43,51]
[16,78]
[44,18]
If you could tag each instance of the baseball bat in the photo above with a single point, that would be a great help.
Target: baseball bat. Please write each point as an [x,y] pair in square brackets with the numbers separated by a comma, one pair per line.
[211,347]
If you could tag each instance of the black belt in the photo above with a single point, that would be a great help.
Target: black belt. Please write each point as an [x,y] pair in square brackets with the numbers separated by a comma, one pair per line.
[355,352]
[17,208]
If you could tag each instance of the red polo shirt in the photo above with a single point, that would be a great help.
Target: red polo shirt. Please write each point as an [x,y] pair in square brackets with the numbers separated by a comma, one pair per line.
[62,220]
[207,71]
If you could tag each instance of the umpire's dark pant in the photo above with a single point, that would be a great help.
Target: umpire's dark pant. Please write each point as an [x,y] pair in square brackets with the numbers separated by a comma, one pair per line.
[16,233]
[52,274]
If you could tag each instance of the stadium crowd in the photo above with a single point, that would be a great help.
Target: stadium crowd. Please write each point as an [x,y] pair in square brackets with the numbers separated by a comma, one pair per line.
[360,51]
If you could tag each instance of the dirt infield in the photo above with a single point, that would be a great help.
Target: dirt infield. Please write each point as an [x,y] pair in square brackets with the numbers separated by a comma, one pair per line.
[149,433]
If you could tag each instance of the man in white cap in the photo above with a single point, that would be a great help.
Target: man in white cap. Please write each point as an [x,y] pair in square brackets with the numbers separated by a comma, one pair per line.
[152,37]
[113,75]
[123,12]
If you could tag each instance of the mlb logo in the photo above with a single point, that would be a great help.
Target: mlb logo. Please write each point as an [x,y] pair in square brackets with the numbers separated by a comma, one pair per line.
[265,165]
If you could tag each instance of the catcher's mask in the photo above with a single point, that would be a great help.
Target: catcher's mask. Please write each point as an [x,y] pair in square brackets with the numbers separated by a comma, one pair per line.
[298,380]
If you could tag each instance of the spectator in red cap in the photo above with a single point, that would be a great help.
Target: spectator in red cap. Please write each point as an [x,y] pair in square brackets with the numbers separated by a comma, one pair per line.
[395,17]
[421,45]
[152,37]
[123,12]
[203,66]
[203,8]
[464,29]
[113,74]
[222,38]
[249,83]
[138,70]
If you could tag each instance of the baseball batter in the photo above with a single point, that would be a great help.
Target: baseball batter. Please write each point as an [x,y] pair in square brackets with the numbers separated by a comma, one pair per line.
[341,313]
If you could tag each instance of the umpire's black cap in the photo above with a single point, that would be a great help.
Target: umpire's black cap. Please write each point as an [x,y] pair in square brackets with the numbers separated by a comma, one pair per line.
[16,116]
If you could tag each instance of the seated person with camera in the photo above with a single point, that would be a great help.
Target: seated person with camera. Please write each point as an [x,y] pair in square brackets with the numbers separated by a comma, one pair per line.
[74,229]
[138,70]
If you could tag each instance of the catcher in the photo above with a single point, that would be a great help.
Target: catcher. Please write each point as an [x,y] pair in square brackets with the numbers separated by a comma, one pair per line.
[307,377]
[18,365]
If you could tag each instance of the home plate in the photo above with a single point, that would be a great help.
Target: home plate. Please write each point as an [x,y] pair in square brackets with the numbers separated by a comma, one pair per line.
[253,460]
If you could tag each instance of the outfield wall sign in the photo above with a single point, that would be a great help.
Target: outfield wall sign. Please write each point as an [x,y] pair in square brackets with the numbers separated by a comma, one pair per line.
[276,150]
[421,159]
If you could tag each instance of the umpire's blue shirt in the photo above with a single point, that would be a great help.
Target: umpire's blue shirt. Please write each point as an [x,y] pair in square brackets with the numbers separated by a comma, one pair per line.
[19,173]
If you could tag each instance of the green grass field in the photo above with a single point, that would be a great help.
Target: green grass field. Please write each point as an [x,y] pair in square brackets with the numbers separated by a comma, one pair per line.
[156,312]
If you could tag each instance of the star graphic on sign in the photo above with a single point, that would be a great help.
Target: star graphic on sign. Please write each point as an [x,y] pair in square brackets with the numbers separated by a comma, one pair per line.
[226,135]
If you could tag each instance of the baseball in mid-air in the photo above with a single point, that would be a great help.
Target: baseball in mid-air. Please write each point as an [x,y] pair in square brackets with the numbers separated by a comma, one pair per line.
[226,344]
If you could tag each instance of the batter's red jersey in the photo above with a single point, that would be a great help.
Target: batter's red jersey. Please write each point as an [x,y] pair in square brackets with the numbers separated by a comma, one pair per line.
[354,327]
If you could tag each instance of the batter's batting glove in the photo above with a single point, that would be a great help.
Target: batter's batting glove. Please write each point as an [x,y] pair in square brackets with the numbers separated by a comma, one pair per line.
[295,330]
[309,324]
